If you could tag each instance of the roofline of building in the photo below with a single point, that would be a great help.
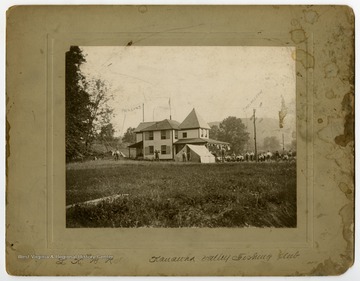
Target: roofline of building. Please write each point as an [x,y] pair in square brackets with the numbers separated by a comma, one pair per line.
[200,140]
[139,131]
[146,129]
[189,128]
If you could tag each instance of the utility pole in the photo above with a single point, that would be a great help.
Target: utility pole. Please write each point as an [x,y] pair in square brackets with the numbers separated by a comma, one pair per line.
[143,113]
[170,107]
[255,135]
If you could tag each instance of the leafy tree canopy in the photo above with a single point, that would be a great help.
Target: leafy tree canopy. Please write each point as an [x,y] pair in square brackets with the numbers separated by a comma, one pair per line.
[77,101]
[214,131]
[107,133]
[87,110]
[129,136]
[233,131]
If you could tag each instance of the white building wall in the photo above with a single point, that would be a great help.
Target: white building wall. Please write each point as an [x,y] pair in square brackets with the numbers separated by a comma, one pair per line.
[191,134]
[139,137]
[173,135]
[157,142]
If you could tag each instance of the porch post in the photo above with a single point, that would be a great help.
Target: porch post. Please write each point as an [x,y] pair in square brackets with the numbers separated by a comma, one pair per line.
[172,143]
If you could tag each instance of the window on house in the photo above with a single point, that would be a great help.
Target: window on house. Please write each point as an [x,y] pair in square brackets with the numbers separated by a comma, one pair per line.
[149,135]
[184,135]
[165,135]
[202,132]
[176,135]
[206,133]
[165,149]
[149,150]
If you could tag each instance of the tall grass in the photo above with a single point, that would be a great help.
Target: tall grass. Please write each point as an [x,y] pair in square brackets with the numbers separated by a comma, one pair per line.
[182,195]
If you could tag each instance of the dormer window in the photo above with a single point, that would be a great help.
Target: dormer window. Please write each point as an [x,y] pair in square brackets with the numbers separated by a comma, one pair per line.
[184,135]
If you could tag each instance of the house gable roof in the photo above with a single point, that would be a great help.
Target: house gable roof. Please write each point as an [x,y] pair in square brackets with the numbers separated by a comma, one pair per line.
[166,124]
[143,125]
[194,121]
[200,140]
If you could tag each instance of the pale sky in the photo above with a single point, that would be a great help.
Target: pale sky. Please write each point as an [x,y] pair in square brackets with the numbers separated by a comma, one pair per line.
[217,81]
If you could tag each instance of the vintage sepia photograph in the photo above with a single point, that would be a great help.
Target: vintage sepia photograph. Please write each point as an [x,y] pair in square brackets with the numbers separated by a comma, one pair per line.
[180,140]
[171,136]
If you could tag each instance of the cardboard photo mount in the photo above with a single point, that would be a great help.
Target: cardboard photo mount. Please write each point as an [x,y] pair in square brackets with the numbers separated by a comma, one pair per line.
[37,240]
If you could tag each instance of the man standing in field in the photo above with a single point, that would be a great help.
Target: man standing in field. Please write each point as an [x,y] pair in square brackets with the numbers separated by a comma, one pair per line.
[184,156]
[222,154]
[157,155]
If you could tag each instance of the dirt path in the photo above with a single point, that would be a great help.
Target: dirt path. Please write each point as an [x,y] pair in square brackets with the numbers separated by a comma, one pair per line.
[108,199]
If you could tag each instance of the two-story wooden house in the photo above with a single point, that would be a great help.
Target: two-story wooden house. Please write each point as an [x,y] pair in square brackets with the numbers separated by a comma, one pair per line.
[168,137]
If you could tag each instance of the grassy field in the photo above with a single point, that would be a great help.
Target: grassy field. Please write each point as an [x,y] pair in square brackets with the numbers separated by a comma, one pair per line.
[169,194]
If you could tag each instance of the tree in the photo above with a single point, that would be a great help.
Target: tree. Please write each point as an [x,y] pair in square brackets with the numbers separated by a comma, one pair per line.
[100,111]
[107,133]
[77,105]
[214,132]
[233,131]
[87,110]
[106,136]
[271,143]
[129,136]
